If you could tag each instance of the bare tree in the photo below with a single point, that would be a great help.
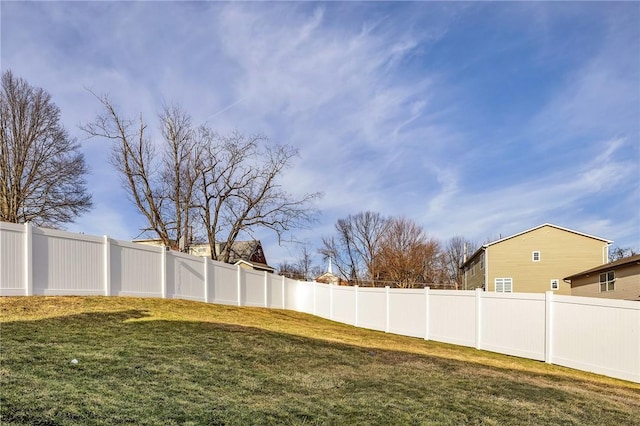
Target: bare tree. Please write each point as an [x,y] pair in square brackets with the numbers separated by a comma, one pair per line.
[42,169]
[453,256]
[340,252]
[220,186]
[159,184]
[617,253]
[291,270]
[178,171]
[357,244]
[407,256]
[302,267]
[238,190]
[304,262]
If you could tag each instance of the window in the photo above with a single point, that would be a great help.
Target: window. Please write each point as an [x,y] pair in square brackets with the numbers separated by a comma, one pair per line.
[482,262]
[607,281]
[555,284]
[504,285]
[535,256]
[473,268]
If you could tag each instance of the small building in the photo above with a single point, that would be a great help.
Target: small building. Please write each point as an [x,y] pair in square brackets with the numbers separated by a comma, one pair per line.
[533,261]
[330,278]
[615,280]
[246,254]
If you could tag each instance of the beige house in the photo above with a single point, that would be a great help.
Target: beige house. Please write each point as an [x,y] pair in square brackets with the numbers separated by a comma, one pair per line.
[534,261]
[615,280]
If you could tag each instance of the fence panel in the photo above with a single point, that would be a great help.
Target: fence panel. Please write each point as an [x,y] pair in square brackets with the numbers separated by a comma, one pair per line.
[344,304]
[225,279]
[407,312]
[322,300]
[452,316]
[253,290]
[12,277]
[185,277]
[135,269]
[372,308]
[299,295]
[513,324]
[597,335]
[275,292]
[210,273]
[67,264]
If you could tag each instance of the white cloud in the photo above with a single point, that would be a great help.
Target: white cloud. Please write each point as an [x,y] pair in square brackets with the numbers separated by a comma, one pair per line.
[375,96]
[558,197]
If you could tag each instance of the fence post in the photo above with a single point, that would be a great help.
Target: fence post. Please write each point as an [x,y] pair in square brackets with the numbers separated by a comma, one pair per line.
[478,318]
[284,292]
[163,272]
[426,310]
[548,325]
[28,259]
[315,289]
[107,266]
[388,319]
[205,278]
[331,301]
[356,319]
[266,290]
[239,284]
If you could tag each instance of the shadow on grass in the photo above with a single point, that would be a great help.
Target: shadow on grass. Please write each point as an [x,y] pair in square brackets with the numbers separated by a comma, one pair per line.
[176,372]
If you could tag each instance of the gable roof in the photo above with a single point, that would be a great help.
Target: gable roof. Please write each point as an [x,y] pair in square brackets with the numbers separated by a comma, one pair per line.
[243,250]
[248,252]
[542,226]
[484,246]
[620,263]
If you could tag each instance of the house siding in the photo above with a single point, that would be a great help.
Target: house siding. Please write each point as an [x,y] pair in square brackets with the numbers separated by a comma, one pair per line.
[561,253]
[474,272]
[627,284]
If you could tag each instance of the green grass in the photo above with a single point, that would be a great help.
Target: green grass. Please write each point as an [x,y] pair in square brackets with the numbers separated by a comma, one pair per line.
[163,362]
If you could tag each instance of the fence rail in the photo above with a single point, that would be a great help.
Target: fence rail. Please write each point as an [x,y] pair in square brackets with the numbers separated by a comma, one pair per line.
[596,335]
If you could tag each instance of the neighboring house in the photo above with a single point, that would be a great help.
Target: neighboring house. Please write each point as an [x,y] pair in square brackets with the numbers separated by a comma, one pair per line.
[615,280]
[247,254]
[534,261]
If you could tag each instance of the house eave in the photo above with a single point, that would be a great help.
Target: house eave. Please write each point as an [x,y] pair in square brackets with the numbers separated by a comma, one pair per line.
[474,256]
[621,263]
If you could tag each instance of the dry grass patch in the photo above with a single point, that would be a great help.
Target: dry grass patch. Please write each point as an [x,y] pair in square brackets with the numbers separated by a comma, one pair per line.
[151,361]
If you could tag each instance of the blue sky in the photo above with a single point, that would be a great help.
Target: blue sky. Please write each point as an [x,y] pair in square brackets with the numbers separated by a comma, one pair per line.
[476,119]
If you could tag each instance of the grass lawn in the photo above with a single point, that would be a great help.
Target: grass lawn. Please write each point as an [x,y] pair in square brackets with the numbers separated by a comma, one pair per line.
[163,362]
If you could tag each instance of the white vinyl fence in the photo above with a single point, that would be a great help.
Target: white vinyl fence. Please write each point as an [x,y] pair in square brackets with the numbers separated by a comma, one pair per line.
[596,335]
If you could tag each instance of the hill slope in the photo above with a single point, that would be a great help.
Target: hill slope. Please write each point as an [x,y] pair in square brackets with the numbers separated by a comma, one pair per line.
[151,361]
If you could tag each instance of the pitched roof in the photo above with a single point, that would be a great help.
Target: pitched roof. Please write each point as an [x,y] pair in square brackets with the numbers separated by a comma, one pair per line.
[248,252]
[242,250]
[620,263]
[484,246]
[542,226]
